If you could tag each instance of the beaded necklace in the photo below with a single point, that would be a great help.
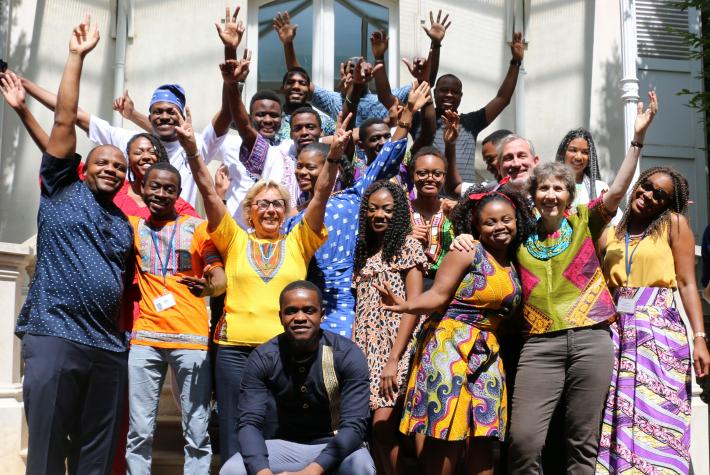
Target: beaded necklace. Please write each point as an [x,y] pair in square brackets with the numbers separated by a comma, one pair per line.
[543,252]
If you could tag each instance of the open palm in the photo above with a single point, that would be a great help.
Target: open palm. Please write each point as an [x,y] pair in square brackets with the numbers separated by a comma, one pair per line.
[84,37]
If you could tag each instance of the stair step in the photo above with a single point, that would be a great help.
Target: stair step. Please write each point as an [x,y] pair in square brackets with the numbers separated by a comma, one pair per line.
[171,463]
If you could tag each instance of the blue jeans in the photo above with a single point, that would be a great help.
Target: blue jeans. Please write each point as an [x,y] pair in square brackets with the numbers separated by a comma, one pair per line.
[286,456]
[146,374]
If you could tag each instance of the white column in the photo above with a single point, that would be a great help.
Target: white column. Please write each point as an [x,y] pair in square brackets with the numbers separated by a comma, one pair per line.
[14,260]
[629,81]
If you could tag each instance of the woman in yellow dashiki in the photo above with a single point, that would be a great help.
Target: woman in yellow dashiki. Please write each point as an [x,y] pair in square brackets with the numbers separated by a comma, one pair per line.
[456,391]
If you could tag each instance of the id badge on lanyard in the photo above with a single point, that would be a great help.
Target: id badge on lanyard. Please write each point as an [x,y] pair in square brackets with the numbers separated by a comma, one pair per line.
[167,299]
[627,298]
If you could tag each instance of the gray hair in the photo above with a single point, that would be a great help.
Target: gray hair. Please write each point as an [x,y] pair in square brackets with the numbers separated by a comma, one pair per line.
[511,138]
[556,170]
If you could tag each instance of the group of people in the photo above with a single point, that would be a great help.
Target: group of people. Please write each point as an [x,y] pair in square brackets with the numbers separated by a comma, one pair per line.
[374,309]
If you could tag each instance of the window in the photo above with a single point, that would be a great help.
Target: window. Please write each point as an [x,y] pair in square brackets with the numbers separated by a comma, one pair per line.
[319,49]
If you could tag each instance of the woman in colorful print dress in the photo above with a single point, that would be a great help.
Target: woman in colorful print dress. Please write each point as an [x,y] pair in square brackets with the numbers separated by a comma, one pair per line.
[568,354]
[385,254]
[651,253]
[258,264]
[456,390]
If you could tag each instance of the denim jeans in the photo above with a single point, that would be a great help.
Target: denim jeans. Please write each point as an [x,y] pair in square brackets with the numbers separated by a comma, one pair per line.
[287,456]
[146,374]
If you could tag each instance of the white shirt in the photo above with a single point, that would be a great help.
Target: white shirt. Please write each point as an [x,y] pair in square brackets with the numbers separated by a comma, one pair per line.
[103,133]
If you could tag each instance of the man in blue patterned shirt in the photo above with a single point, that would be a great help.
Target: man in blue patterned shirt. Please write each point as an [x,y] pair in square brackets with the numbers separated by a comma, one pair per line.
[295,88]
[75,356]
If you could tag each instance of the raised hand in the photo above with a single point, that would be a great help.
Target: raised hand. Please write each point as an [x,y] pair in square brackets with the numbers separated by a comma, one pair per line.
[185,133]
[284,28]
[364,71]
[451,121]
[222,181]
[419,95]
[236,70]
[124,105]
[417,68]
[437,29]
[517,46]
[341,137]
[644,118]
[12,89]
[379,42]
[84,37]
[346,77]
[231,30]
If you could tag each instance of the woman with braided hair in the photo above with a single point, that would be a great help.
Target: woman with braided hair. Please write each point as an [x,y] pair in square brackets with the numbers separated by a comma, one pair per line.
[456,391]
[385,254]
[648,255]
[577,150]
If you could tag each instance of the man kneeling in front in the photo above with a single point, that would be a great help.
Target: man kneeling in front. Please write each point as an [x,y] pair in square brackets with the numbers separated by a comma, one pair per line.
[320,382]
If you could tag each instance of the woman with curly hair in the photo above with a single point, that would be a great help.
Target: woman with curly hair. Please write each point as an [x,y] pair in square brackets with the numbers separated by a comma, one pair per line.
[385,254]
[648,255]
[568,353]
[577,150]
[456,391]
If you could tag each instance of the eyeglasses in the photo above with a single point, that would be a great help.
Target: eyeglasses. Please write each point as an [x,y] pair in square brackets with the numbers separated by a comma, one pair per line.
[263,205]
[427,173]
[658,194]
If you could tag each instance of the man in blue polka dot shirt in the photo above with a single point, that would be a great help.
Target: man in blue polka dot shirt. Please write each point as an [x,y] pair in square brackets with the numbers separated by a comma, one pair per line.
[75,357]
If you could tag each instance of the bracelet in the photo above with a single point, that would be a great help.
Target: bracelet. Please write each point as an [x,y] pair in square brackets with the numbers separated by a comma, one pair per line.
[333,160]
[702,335]
[435,45]
[192,157]
[403,124]
[379,61]
[347,99]
[636,144]
[516,62]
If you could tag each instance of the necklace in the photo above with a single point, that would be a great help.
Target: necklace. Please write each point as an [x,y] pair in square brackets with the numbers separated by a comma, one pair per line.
[542,251]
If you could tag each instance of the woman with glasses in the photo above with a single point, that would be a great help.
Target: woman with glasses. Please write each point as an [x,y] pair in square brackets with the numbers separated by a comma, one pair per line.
[259,263]
[645,258]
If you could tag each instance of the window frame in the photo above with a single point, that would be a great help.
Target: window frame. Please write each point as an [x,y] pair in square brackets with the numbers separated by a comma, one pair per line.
[323,42]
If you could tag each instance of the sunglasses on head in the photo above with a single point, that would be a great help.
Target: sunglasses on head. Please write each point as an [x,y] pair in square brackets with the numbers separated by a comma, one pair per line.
[658,194]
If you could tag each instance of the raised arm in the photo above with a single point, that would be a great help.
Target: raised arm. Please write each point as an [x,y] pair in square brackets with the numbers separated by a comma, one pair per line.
[62,138]
[315,211]
[454,181]
[507,88]
[419,95]
[436,33]
[125,106]
[618,187]
[14,94]
[234,71]
[49,100]
[454,266]
[380,42]
[214,207]
[287,34]
[230,33]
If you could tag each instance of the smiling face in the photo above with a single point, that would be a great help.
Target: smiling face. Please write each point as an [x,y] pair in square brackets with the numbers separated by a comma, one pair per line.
[577,156]
[377,136]
[490,156]
[301,314]
[164,118]
[429,175]
[295,89]
[267,212]
[652,196]
[496,224]
[161,189]
[105,171]
[380,210]
[308,167]
[447,94]
[552,198]
[304,129]
[517,161]
[141,155]
[266,117]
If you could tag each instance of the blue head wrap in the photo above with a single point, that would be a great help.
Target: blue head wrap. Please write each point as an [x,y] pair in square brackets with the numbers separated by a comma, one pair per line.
[172,93]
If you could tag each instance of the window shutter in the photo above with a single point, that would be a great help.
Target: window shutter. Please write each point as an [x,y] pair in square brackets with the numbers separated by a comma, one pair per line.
[653,18]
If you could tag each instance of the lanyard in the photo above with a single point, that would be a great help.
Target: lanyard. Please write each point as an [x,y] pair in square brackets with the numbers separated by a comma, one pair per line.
[164,265]
[629,257]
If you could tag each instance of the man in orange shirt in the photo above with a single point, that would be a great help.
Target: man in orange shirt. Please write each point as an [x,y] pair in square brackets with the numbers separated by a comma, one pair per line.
[177,265]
